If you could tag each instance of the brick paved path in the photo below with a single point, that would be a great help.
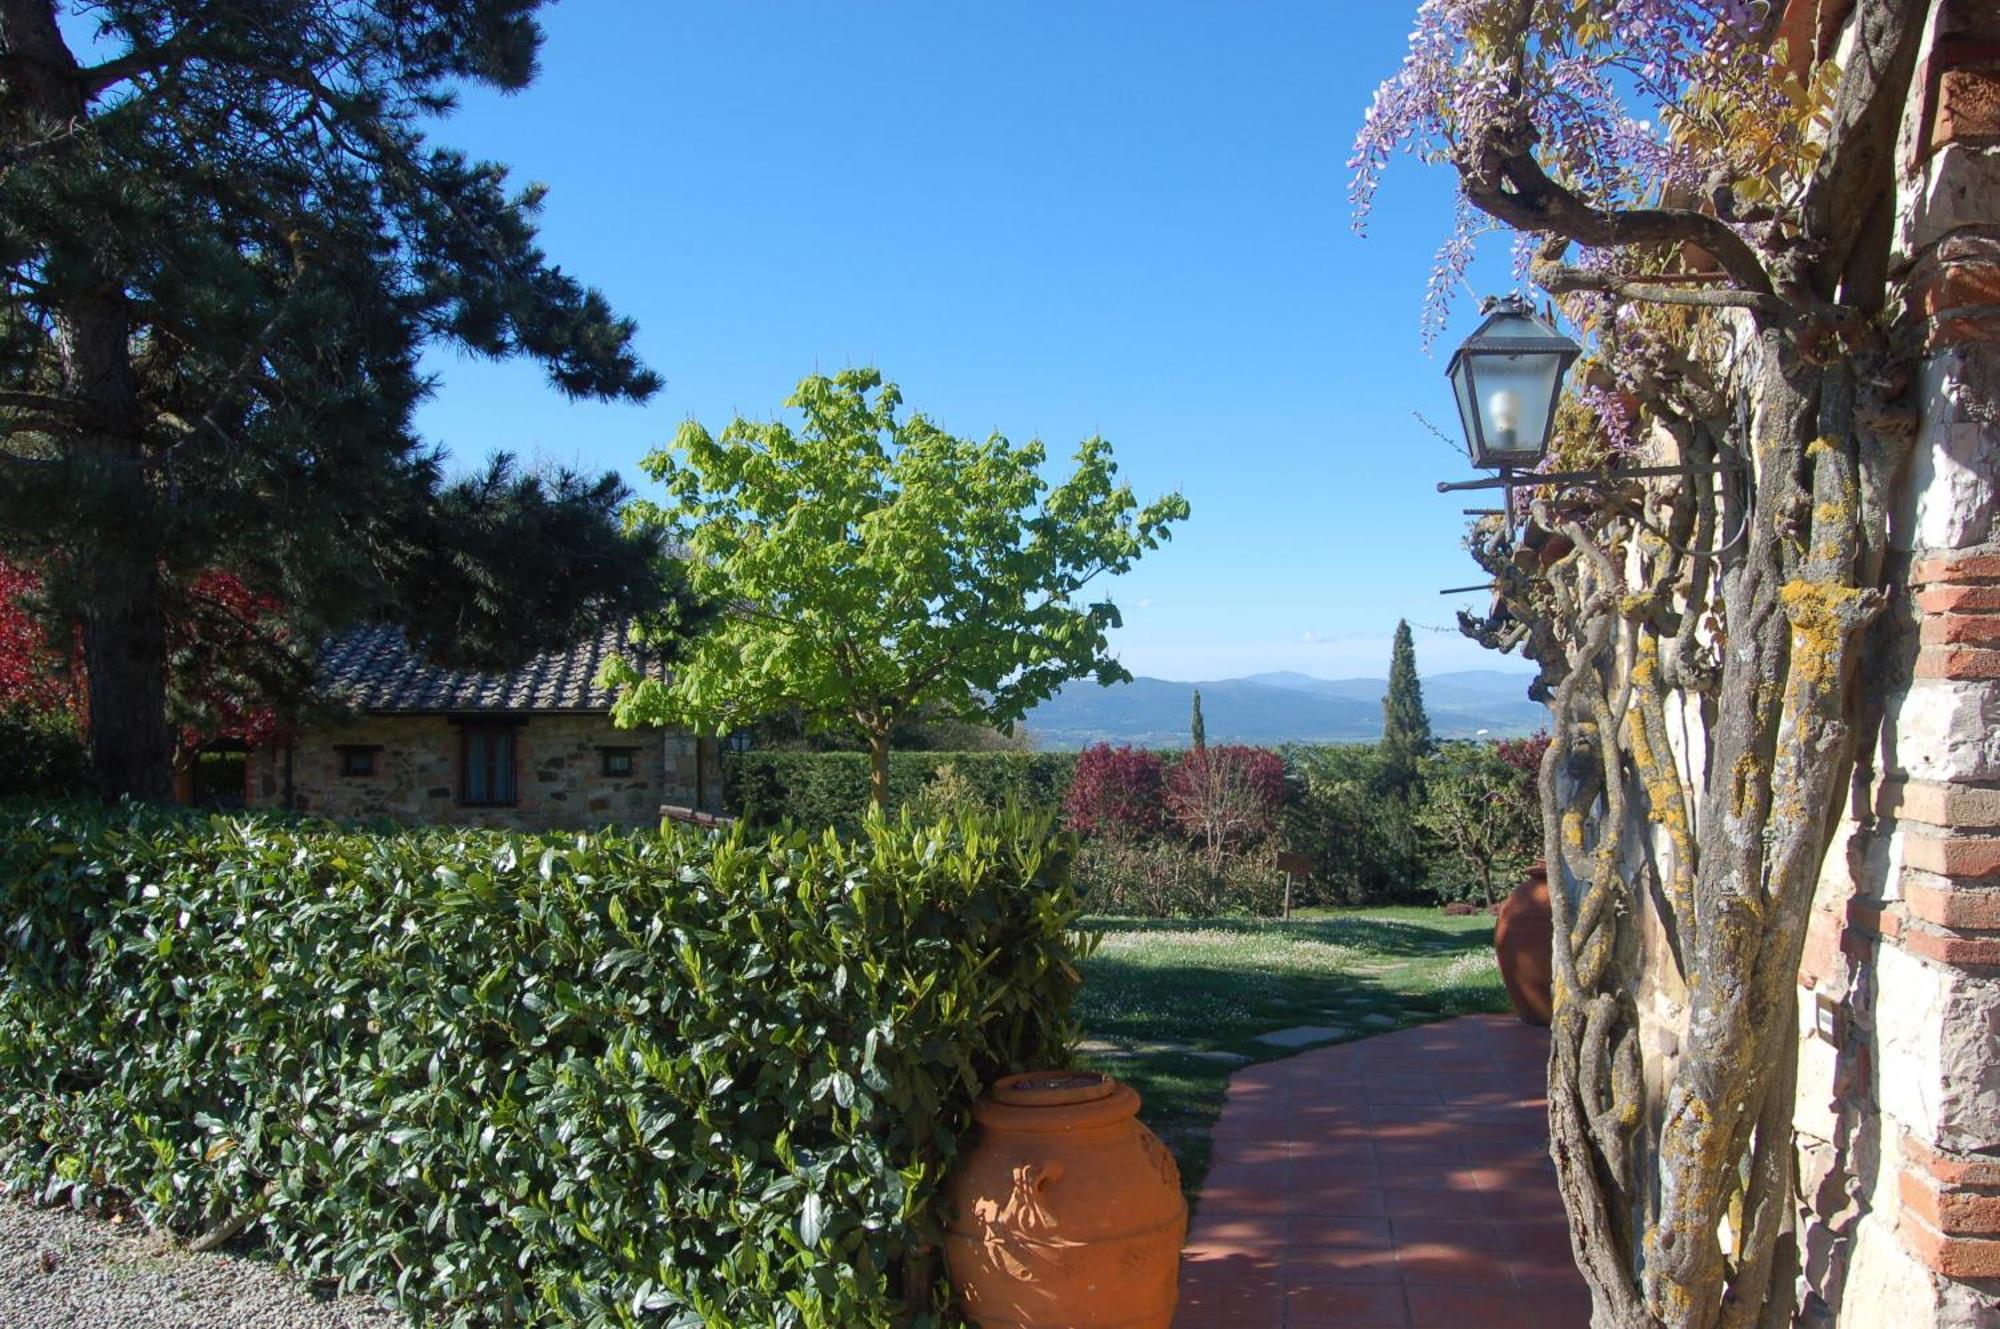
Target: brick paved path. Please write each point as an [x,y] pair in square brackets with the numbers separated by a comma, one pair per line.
[1401,1180]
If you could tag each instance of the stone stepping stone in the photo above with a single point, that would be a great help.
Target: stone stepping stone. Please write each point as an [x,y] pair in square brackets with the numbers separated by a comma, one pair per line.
[1380,1021]
[1300,1035]
[1102,1047]
[1217,1054]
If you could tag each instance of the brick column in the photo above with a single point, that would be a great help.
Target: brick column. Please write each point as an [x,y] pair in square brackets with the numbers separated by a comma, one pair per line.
[1951,1211]
[1899,1072]
[1935,935]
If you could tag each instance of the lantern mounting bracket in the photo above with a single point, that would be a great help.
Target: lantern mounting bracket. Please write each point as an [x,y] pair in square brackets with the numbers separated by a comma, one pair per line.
[1510,480]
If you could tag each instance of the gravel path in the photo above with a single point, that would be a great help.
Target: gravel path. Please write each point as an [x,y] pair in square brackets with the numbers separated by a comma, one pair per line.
[62,1270]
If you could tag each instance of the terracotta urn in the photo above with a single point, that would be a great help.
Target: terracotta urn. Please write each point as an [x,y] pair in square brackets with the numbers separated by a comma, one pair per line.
[1066,1211]
[1522,939]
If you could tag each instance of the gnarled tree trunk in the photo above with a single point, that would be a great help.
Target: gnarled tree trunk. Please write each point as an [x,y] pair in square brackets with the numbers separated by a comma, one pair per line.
[1700,645]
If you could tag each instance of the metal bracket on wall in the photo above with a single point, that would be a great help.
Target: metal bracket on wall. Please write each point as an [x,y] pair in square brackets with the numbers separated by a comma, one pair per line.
[1508,480]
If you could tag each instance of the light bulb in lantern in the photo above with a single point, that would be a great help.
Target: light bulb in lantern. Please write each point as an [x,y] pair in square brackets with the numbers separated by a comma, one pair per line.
[1504,408]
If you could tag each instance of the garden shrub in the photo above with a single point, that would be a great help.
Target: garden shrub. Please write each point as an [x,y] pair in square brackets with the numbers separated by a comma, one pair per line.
[949,794]
[1168,879]
[1342,813]
[1117,792]
[816,790]
[566,1079]
[1338,804]
[1227,797]
[42,752]
[1481,817]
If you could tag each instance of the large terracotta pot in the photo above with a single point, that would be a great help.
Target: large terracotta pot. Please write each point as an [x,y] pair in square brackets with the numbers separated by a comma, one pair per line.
[1067,1211]
[1522,938]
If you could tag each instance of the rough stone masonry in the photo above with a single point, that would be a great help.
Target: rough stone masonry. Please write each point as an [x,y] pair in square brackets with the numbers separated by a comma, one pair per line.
[1898,1116]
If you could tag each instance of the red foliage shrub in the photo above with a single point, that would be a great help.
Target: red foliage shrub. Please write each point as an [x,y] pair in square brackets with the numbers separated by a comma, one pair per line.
[1117,792]
[227,636]
[221,646]
[1523,754]
[1227,796]
[34,674]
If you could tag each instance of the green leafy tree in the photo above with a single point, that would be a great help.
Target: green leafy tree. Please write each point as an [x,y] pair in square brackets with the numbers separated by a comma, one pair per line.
[1364,846]
[1406,730]
[1480,816]
[1197,729]
[226,241]
[878,567]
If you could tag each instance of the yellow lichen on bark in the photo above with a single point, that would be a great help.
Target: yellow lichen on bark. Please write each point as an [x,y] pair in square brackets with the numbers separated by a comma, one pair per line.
[1572,829]
[1666,804]
[1831,525]
[1742,782]
[1821,615]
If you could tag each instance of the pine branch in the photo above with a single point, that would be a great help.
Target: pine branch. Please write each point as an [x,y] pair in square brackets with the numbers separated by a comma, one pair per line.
[136,63]
[17,400]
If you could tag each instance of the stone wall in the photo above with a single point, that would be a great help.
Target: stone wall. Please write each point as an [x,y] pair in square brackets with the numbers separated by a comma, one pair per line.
[558,773]
[1898,1115]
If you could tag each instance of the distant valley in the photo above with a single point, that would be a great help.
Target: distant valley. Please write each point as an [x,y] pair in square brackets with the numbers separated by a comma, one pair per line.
[1280,708]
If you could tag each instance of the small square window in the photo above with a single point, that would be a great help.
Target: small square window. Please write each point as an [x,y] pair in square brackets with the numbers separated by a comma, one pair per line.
[357,761]
[617,762]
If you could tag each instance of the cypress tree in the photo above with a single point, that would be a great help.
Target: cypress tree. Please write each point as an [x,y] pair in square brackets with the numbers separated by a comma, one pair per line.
[1197,731]
[1406,730]
[226,242]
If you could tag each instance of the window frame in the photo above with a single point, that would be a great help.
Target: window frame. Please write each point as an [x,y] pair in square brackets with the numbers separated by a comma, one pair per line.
[606,756]
[496,732]
[364,753]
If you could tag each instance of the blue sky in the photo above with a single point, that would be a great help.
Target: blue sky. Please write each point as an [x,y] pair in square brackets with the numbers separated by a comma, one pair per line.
[1047,219]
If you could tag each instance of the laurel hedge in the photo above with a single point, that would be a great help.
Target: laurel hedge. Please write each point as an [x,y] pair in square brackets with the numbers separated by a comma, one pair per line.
[821,789]
[595,1080]
[42,753]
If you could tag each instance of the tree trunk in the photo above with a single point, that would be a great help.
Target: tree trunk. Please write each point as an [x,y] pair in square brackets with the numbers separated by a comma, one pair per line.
[125,656]
[1675,1161]
[124,629]
[878,772]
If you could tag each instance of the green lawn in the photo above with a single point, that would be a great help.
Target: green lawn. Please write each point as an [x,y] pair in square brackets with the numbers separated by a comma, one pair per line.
[1158,993]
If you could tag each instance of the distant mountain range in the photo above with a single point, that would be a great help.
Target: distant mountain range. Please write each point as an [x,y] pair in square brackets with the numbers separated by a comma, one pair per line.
[1280,708]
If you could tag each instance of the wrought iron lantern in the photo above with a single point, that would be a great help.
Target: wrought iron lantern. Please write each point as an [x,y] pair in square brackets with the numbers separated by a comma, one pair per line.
[1507,376]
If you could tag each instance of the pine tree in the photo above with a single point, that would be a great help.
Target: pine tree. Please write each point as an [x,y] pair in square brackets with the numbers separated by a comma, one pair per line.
[226,242]
[1197,731]
[1406,730]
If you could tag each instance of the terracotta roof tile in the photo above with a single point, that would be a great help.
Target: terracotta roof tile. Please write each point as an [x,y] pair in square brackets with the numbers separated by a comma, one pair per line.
[374,669]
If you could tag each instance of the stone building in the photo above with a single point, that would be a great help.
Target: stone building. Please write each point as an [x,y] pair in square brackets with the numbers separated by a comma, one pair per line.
[1898,1107]
[533,748]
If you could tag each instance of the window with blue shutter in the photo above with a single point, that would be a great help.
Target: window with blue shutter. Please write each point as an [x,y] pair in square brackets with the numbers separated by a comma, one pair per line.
[488,767]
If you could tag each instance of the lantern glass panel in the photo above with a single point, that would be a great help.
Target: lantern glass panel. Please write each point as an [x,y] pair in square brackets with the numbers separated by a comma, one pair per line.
[1468,407]
[1514,395]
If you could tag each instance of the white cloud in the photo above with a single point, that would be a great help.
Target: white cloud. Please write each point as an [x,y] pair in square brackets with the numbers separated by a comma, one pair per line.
[1313,639]
[1145,602]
